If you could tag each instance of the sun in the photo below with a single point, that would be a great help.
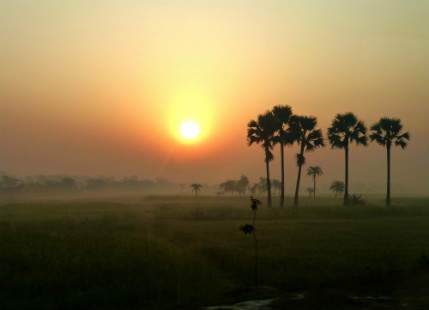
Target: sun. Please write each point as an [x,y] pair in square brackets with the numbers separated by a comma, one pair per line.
[189,130]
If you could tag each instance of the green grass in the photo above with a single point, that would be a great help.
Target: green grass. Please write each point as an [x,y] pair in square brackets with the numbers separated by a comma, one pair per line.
[155,252]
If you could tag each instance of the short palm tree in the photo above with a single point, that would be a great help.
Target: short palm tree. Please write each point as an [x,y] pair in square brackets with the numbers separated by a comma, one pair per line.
[262,131]
[345,129]
[308,138]
[283,136]
[337,187]
[314,171]
[310,191]
[386,132]
[196,188]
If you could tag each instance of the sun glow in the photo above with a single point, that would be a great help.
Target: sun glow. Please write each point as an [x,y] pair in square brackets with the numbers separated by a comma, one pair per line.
[189,130]
[190,116]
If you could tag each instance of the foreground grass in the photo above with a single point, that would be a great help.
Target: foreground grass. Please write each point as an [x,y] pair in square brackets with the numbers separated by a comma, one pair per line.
[170,251]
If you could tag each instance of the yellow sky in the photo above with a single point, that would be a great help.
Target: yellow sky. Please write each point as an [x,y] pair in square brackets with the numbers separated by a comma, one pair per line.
[101,87]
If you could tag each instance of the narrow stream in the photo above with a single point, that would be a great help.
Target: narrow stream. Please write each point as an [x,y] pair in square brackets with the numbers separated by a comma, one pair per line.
[244,305]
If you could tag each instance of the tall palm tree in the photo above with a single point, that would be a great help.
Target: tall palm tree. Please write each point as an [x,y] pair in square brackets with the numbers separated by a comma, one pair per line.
[345,129]
[309,138]
[386,132]
[283,136]
[262,131]
[314,171]
[337,187]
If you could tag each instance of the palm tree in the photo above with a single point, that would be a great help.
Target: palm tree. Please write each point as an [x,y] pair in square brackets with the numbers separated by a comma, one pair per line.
[310,191]
[314,171]
[196,188]
[282,115]
[345,129]
[337,187]
[304,132]
[386,132]
[262,131]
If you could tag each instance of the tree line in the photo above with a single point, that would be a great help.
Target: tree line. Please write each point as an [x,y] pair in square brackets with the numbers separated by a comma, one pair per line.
[280,126]
[45,184]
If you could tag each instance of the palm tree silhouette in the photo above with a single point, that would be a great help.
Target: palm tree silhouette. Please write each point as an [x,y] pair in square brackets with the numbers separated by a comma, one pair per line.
[345,129]
[262,131]
[309,138]
[386,132]
[314,171]
[196,188]
[282,115]
[337,187]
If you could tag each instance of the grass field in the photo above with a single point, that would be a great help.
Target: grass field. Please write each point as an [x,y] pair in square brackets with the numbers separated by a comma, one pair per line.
[175,251]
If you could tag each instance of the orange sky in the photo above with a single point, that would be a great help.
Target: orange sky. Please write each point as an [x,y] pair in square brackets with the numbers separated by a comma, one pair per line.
[101,87]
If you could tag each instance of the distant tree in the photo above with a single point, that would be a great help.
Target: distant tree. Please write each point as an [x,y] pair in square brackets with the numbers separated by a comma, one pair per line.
[196,188]
[345,129]
[283,136]
[387,132]
[242,185]
[337,187]
[9,184]
[314,171]
[227,186]
[308,138]
[68,183]
[310,191]
[261,132]
[238,186]
[277,185]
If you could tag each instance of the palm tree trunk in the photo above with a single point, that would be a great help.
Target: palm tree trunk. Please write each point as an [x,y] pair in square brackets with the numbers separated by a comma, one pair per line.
[282,194]
[268,184]
[256,259]
[388,177]
[346,190]
[295,202]
[314,186]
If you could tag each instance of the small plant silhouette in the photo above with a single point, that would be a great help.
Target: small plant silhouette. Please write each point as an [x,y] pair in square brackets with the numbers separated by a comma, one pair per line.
[356,199]
[250,229]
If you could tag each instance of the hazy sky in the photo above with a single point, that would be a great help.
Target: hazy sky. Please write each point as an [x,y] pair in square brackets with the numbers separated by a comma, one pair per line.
[101,87]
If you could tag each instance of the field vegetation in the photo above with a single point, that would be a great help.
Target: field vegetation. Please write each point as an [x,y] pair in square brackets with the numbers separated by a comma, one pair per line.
[160,252]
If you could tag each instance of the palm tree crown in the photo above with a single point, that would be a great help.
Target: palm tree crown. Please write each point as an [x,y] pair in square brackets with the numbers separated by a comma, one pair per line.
[261,132]
[314,171]
[337,187]
[387,131]
[346,128]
